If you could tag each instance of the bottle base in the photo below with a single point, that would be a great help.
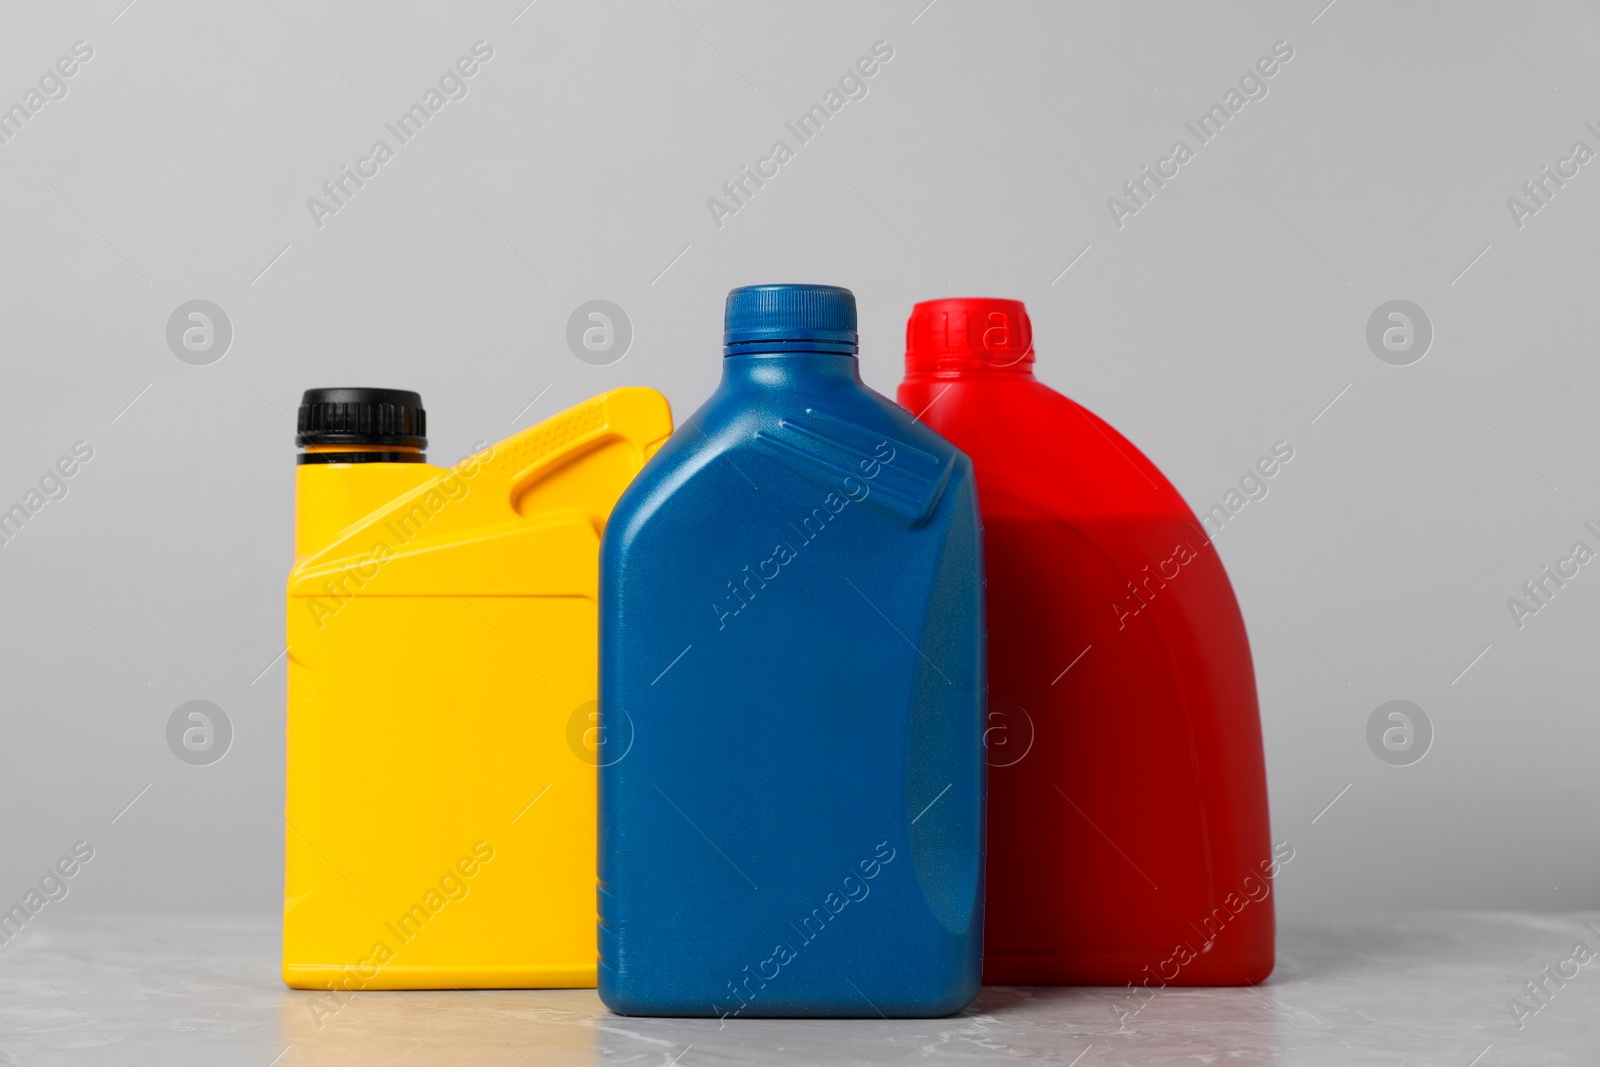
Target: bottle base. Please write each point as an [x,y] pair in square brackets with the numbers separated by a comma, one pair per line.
[854,1010]
[821,1003]
[323,976]
[1121,968]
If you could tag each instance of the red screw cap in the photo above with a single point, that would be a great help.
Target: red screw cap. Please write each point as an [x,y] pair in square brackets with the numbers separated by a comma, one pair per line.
[969,333]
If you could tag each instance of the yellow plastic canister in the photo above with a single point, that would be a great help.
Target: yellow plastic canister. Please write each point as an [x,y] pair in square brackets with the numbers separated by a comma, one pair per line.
[440,813]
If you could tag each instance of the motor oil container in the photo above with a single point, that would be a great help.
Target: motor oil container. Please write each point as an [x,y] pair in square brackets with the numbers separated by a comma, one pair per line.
[1128,837]
[442,724]
[792,637]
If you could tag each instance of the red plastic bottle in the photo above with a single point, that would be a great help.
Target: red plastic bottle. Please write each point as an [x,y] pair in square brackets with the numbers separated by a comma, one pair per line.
[1128,838]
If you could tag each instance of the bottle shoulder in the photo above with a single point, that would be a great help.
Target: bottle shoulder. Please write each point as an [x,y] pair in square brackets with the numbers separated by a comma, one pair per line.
[741,451]
[746,413]
[1047,452]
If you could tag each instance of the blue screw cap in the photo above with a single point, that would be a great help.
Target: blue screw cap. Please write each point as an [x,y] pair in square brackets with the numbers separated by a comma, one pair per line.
[790,318]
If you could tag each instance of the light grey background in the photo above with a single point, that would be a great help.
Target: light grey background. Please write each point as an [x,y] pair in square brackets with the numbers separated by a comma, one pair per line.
[1223,317]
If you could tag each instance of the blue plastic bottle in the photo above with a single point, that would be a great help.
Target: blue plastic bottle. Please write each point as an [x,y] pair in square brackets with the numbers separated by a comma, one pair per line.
[792,677]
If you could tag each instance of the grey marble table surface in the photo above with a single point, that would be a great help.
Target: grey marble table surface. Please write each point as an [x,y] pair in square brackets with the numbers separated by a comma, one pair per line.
[1432,988]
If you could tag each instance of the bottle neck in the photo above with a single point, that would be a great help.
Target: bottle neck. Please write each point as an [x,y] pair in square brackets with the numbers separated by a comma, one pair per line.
[968,365]
[769,370]
[322,454]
